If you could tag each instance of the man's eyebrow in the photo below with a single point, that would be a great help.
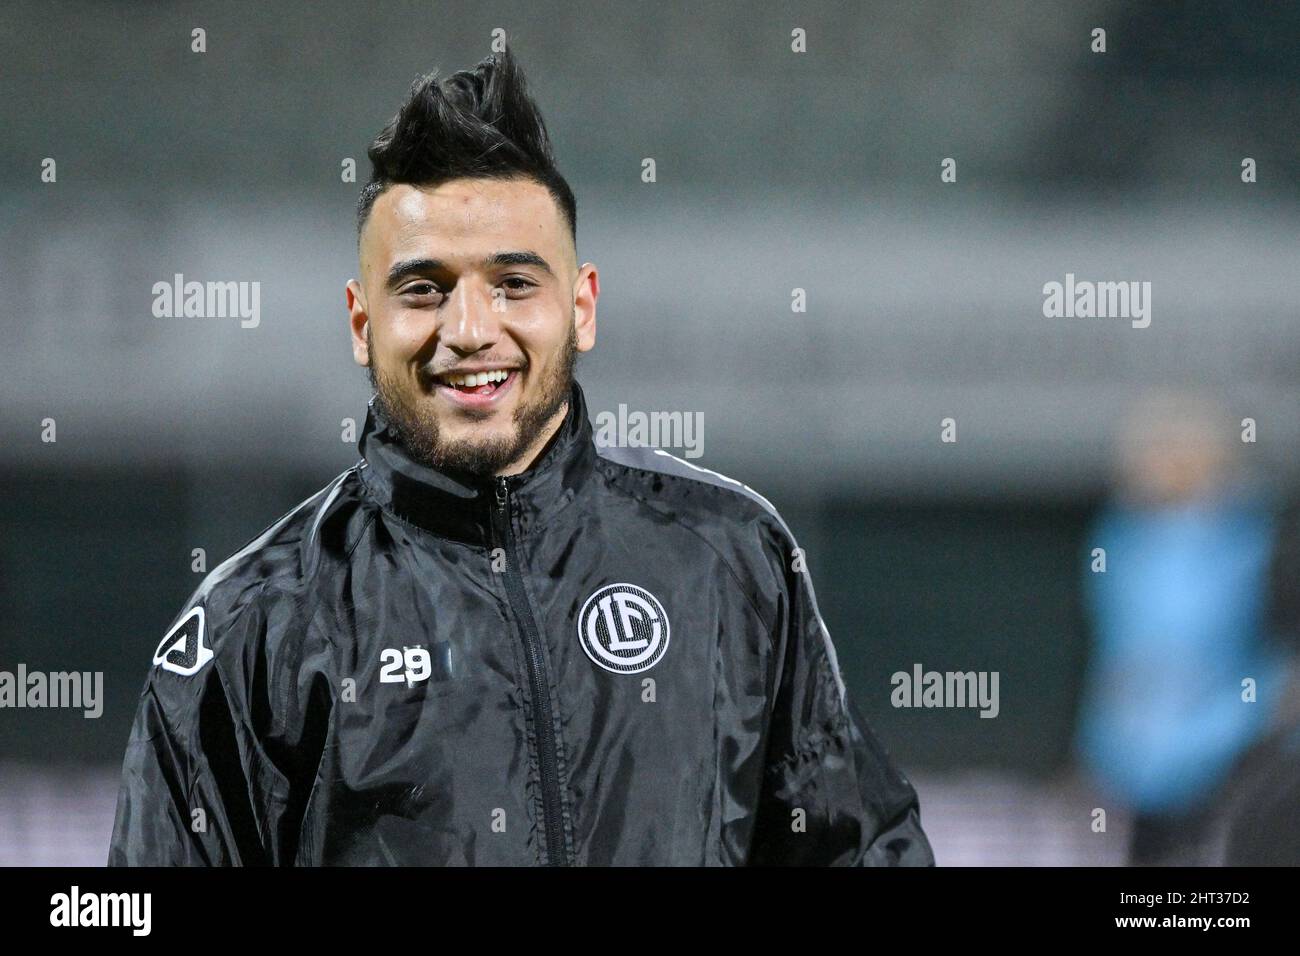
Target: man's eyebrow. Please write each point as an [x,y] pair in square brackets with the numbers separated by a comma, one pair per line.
[523,258]
[411,267]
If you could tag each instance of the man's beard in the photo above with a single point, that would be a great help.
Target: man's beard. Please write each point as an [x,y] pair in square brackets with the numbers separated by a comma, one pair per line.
[417,429]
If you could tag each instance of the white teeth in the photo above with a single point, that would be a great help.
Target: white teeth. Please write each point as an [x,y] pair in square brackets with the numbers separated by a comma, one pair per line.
[476,379]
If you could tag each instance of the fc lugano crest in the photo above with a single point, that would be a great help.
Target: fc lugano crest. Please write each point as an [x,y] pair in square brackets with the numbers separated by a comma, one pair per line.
[623,628]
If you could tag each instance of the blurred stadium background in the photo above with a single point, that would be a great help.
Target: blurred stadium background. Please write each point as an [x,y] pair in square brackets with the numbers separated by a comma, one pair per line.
[774,171]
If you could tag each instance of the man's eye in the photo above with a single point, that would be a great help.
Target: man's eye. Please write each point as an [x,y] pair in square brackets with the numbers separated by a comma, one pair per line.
[517,283]
[420,288]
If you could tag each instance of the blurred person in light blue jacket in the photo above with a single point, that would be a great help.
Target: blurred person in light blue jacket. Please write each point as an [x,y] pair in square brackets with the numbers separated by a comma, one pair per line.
[1184,677]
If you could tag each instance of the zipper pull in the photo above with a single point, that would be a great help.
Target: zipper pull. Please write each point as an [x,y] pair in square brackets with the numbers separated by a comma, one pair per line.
[502,492]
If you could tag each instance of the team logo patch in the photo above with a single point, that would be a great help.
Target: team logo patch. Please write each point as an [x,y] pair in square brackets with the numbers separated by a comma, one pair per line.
[623,628]
[182,651]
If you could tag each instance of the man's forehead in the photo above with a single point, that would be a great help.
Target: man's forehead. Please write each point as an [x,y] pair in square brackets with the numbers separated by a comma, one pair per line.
[463,217]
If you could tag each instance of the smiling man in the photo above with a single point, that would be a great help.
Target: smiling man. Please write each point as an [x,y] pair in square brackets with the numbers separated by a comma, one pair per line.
[486,392]
[490,642]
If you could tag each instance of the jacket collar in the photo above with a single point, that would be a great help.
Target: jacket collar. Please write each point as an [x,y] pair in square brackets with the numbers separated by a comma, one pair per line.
[459,505]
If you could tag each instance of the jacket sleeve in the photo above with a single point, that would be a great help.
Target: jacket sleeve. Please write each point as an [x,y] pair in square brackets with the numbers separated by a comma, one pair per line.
[831,795]
[198,787]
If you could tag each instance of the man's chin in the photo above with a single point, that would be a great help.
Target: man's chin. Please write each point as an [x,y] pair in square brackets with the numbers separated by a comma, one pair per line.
[478,450]
[455,444]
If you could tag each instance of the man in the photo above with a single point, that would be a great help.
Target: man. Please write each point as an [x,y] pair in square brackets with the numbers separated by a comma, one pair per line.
[1178,623]
[488,642]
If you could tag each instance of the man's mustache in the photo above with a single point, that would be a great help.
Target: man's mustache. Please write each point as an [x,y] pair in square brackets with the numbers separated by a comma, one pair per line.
[430,373]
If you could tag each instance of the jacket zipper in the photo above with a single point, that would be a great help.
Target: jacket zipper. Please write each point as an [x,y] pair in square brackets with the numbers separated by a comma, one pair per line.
[548,758]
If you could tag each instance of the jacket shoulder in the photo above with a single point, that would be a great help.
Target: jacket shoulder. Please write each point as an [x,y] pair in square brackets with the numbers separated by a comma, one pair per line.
[271,576]
[742,524]
[698,495]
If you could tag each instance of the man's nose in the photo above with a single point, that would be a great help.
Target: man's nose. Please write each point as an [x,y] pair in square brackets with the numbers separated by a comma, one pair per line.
[471,324]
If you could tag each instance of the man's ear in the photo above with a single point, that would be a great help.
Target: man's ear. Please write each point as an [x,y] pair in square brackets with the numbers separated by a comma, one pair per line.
[359,320]
[585,294]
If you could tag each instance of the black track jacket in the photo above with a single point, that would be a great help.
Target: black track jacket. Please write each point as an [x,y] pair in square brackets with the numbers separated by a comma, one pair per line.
[611,659]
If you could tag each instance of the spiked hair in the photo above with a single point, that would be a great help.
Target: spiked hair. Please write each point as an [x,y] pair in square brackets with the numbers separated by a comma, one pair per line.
[478,123]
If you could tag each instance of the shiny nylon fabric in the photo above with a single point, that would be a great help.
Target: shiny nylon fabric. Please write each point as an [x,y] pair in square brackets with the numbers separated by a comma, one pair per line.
[738,746]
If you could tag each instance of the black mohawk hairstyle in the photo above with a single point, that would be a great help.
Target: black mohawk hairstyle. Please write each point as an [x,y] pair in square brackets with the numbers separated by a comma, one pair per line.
[478,123]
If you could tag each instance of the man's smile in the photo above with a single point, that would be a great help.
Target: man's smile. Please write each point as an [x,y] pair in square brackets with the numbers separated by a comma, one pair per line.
[475,388]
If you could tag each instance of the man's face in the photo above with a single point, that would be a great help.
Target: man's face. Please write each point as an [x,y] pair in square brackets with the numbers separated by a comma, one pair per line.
[473,277]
